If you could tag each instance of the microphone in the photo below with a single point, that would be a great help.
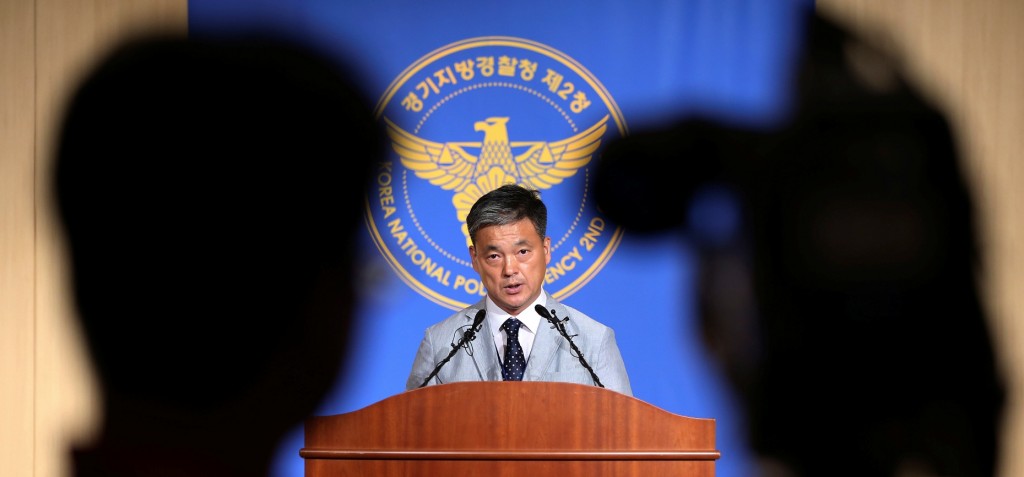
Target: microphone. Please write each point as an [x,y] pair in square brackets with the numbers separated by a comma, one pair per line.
[468,336]
[560,326]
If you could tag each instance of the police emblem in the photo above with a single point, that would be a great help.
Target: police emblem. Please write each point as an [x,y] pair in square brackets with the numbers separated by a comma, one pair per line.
[469,117]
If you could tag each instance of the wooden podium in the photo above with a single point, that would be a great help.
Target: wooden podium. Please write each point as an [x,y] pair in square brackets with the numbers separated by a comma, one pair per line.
[498,429]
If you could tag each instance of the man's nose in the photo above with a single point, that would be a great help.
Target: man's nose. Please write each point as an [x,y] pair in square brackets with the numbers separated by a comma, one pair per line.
[510,267]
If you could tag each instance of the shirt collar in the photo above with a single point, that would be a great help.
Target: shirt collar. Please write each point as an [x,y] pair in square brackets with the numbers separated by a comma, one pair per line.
[531,320]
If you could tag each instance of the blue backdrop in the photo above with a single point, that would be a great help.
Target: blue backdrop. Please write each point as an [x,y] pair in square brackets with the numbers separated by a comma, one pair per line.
[642,63]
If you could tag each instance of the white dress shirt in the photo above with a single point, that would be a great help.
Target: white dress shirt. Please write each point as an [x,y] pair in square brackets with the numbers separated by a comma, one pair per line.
[530,319]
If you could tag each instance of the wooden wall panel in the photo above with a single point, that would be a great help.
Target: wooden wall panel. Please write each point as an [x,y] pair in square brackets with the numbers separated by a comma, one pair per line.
[17,214]
[969,57]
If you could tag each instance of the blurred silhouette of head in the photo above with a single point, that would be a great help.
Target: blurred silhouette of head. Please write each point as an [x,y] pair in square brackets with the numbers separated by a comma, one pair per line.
[211,192]
[845,311]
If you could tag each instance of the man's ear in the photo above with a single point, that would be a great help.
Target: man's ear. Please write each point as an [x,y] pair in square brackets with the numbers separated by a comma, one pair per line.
[472,258]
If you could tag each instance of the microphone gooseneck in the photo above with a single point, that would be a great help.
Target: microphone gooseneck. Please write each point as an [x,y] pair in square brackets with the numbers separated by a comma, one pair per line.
[468,336]
[560,326]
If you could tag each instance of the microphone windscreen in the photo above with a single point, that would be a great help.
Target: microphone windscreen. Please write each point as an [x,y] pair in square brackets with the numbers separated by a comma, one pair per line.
[543,312]
[479,318]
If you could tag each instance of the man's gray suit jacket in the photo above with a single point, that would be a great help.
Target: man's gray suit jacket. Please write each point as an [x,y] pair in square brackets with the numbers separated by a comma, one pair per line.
[550,359]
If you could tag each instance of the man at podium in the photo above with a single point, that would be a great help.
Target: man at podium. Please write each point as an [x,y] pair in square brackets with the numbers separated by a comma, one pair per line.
[517,332]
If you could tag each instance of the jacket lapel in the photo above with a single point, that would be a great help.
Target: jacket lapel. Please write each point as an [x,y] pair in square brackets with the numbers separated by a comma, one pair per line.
[484,355]
[545,345]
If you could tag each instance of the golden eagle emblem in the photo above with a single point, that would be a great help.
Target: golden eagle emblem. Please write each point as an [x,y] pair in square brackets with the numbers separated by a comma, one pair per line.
[452,165]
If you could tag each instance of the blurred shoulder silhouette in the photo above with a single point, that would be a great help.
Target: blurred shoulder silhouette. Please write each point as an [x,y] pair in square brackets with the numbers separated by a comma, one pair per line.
[210,192]
[845,311]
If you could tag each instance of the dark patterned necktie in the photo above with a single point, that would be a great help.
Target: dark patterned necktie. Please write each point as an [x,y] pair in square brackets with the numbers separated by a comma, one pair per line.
[514,363]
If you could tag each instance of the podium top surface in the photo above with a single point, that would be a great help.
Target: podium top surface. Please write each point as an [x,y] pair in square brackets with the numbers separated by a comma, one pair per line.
[483,416]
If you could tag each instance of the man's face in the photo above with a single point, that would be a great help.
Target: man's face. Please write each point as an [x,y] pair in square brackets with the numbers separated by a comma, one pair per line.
[511,260]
